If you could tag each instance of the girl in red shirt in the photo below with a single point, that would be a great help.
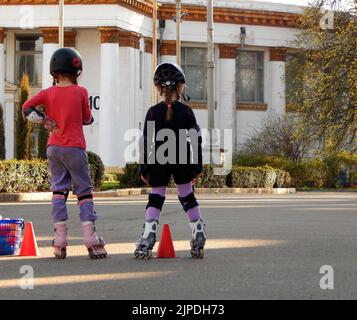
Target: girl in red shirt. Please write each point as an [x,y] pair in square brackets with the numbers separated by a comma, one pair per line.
[66,111]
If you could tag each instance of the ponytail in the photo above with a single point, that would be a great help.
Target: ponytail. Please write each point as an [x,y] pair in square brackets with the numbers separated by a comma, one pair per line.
[170,95]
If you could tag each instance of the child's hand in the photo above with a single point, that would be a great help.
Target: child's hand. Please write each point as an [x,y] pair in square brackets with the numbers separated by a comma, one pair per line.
[51,126]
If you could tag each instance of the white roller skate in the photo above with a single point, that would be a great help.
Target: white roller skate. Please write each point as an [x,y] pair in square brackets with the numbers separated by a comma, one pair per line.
[198,239]
[95,245]
[147,240]
[60,241]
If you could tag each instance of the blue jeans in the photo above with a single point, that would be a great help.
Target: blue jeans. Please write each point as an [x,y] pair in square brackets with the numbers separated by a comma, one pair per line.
[69,170]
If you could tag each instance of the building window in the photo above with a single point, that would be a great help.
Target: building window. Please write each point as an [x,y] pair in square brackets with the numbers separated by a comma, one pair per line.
[29,58]
[194,65]
[250,76]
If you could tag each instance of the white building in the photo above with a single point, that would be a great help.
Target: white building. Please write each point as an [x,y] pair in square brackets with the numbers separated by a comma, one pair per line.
[114,38]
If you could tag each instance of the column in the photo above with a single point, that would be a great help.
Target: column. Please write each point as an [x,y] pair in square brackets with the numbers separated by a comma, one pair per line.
[277,80]
[168,51]
[2,68]
[227,88]
[50,45]
[109,98]
[131,116]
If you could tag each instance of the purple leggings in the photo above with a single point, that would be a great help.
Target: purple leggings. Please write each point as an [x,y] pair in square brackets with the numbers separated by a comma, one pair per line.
[69,169]
[183,190]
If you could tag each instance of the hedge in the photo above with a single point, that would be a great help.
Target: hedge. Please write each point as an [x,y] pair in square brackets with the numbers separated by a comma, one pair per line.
[24,176]
[240,177]
[257,177]
[34,175]
[310,172]
[131,176]
[96,170]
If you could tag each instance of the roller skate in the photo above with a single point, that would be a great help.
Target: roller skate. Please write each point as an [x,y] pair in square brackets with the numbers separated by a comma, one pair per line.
[198,239]
[147,240]
[60,241]
[95,245]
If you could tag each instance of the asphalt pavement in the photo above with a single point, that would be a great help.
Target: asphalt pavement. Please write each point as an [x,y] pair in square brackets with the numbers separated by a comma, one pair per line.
[298,246]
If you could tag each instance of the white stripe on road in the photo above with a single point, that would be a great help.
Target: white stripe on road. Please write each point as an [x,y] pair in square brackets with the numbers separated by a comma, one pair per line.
[74,278]
[179,245]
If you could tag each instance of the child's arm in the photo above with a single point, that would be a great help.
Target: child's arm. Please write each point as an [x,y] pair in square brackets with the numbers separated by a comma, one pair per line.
[194,132]
[30,111]
[143,148]
[87,114]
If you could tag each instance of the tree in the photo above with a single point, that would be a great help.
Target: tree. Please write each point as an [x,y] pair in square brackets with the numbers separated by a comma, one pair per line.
[23,128]
[42,136]
[324,74]
[2,134]
[281,135]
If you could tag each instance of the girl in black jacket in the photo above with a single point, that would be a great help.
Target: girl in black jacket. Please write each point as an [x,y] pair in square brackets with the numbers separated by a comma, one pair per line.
[179,155]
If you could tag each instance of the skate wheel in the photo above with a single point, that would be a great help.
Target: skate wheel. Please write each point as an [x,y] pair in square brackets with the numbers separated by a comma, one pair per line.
[148,255]
[62,254]
[197,254]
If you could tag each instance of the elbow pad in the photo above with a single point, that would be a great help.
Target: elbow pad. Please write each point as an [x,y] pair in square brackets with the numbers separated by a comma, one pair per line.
[34,116]
[87,123]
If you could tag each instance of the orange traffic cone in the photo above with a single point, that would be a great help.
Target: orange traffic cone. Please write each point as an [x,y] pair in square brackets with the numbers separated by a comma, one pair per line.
[29,244]
[166,246]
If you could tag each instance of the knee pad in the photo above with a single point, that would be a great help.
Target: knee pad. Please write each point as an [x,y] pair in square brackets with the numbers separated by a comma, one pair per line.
[156,201]
[61,195]
[188,202]
[85,198]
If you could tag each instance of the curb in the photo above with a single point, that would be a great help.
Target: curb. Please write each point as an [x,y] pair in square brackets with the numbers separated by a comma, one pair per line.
[47,196]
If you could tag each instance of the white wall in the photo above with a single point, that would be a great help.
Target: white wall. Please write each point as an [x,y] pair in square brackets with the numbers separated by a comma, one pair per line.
[230,33]
[77,16]
[247,123]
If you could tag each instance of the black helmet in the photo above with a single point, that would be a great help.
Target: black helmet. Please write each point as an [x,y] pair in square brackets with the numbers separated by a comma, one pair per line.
[168,74]
[66,60]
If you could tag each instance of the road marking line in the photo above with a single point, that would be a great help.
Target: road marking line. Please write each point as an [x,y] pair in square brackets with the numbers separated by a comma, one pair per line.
[74,279]
[180,245]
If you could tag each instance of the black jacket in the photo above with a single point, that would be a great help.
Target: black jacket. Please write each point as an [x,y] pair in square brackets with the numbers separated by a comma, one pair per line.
[182,118]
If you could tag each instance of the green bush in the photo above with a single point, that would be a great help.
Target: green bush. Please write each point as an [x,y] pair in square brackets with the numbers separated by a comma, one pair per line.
[34,175]
[209,180]
[111,177]
[24,176]
[256,177]
[317,172]
[283,179]
[131,176]
[240,177]
[96,170]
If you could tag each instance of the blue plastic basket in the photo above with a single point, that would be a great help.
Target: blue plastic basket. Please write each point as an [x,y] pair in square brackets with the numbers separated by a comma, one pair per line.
[10,236]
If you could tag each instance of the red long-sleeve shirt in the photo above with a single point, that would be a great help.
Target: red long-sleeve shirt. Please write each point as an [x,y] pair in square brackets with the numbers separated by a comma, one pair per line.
[69,108]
